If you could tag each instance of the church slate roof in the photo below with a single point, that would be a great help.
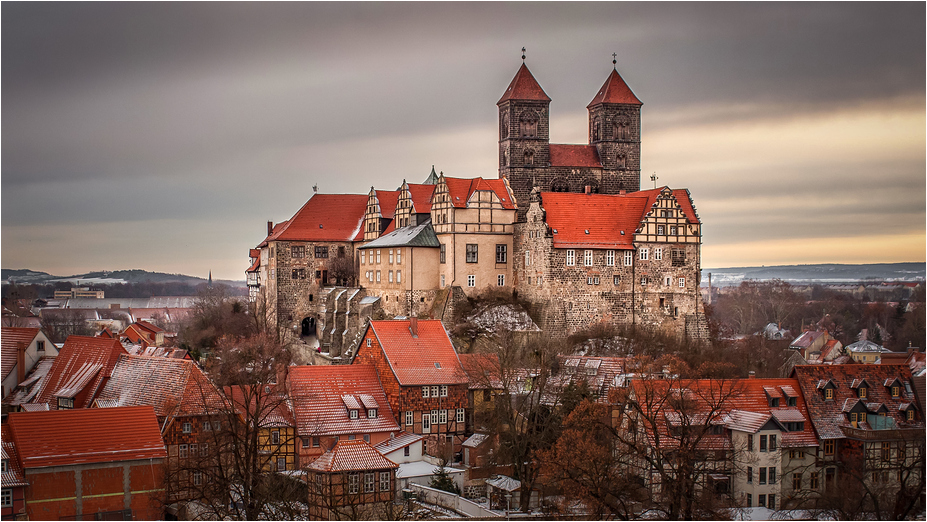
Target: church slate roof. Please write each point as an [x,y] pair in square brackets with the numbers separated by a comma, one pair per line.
[524,87]
[615,90]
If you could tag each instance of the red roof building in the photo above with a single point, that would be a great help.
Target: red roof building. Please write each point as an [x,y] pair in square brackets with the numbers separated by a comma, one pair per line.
[142,332]
[79,372]
[90,463]
[338,403]
[14,479]
[352,480]
[422,376]
[22,349]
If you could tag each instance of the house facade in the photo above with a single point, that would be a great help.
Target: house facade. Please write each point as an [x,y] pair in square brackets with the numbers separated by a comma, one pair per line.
[352,481]
[22,349]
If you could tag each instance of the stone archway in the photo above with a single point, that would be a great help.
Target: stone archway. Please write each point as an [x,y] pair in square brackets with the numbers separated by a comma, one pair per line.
[308,327]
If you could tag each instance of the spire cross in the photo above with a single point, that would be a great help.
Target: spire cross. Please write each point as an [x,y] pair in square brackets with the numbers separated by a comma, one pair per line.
[615,60]
[654,178]
[522,54]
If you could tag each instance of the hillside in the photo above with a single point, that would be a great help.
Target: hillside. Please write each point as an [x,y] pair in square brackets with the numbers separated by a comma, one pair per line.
[26,276]
[830,273]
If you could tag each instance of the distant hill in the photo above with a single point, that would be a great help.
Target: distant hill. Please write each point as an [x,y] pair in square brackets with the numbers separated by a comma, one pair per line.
[26,276]
[824,273]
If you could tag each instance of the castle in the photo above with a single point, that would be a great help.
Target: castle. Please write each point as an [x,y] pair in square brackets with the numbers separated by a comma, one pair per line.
[566,227]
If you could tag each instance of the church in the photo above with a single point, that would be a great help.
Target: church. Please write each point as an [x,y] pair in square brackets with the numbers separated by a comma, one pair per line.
[563,226]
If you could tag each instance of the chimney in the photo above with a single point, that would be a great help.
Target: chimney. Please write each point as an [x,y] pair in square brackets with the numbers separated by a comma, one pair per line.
[20,362]
[622,192]
[413,326]
[588,190]
[751,375]
[270,227]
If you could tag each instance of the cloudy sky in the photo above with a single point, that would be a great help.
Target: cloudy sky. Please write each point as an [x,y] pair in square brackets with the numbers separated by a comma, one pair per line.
[164,136]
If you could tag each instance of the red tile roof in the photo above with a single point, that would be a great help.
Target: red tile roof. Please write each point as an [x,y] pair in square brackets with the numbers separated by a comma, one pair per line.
[352,455]
[79,357]
[274,409]
[605,217]
[574,156]
[82,436]
[460,190]
[483,370]
[387,200]
[428,358]
[754,397]
[274,233]
[316,394]
[614,90]
[828,415]
[524,87]
[421,197]
[14,475]
[10,337]
[173,387]
[326,217]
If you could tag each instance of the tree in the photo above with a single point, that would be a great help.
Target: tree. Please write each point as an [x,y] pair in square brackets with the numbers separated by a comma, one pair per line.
[442,480]
[60,324]
[215,313]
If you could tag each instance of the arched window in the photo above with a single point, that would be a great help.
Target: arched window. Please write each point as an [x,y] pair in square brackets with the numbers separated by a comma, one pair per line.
[505,125]
[622,159]
[559,185]
[529,124]
[529,157]
[596,126]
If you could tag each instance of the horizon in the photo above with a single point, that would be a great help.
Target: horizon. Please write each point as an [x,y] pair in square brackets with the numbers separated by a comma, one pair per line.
[171,146]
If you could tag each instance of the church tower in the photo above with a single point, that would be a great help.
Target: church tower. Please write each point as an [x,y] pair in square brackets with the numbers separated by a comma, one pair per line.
[615,131]
[524,133]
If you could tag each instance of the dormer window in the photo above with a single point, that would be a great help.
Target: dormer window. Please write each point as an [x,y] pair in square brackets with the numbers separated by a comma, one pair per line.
[372,413]
[352,414]
[774,402]
[896,390]
[5,466]
[65,403]
[829,394]
[793,401]
[909,415]
[862,392]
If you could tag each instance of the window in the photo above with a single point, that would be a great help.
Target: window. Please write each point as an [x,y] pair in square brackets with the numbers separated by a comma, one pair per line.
[616,280]
[679,257]
[472,253]
[527,258]
[281,463]
[352,414]
[570,258]
[763,442]
[442,253]
[442,416]
[749,442]
[363,256]
[471,281]
[682,284]
[609,258]
[749,474]
[587,258]
[398,276]
[367,438]
[796,481]
[425,392]
[658,254]
[65,403]
[444,390]
[460,414]
[321,252]
[369,341]
[40,346]
[672,231]
[391,256]
[886,451]
[593,280]
[772,443]
[204,450]
[762,501]
[187,427]
[298,273]
[813,480]
[389,276]
[762,475]
[434,416]
[661,230]
[749,500]
[771,504]
[372,413]
[828,394]
[398,256]
[628,258]
[434,391]
[909,415]
[500,280]
[306,441]
[197,478]
[896,390]
[378,276]
[384,480]
[829,447]
[405,451]
[183,451]
[862,392]
[644,254]
[792,401]
[643,280]
[316,442]
[378,257]
[409,418]
[298,251]
[501,254]
[353,482]
[426,422]
[796,454]
[772,475]
[275,437]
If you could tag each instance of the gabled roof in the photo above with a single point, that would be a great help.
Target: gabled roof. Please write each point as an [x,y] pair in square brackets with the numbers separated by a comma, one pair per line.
[418,236]
[173,387]
[82,436]
[524,87]
[614,90]
[326,217]
[460,190]
[421,197]
[865,346]
[428,358]
[398,442]
[76,359]
[268,405]
[351,455]
[10,337]
[316,394]
[828,415]
[806,339]
[609,219]
[574,156]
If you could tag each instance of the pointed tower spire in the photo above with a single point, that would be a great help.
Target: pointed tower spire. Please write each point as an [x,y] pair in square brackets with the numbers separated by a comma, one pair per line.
[524,87]
[210,279]
[614,90]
